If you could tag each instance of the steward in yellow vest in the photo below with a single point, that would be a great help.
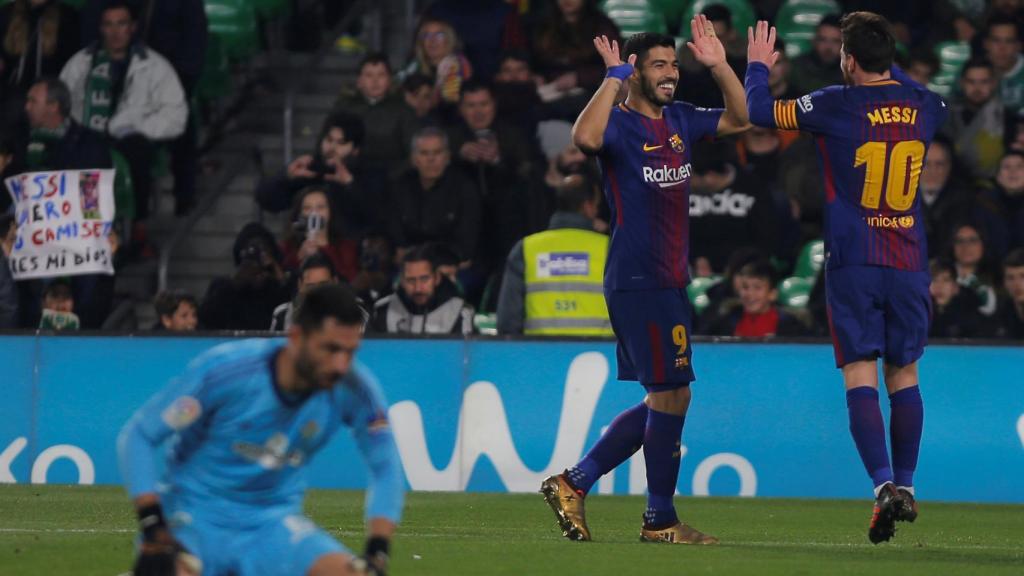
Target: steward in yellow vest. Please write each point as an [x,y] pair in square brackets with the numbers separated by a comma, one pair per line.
[553,282]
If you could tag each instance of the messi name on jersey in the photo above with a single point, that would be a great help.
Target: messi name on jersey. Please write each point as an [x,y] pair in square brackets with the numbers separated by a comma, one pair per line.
[893,115]
[667,176]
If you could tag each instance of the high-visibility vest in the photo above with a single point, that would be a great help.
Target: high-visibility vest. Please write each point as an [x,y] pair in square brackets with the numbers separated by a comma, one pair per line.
[564,271]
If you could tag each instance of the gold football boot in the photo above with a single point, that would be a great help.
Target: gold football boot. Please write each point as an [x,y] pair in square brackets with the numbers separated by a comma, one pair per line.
[678,534]
[567,505]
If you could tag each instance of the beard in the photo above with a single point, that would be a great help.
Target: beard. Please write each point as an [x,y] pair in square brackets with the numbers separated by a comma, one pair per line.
[650,91]
[305,369]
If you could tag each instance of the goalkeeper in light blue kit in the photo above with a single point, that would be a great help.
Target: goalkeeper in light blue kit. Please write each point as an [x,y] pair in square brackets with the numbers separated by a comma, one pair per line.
[243,422]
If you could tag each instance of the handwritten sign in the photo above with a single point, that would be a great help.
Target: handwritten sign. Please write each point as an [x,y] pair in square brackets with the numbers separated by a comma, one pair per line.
[64,220]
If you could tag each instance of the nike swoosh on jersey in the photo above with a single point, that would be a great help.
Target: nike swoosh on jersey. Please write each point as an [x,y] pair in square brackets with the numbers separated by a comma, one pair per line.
[650,148]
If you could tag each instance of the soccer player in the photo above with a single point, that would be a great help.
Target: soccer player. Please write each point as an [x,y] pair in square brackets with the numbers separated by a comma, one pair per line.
[244,420]
[872,135]
[644,147]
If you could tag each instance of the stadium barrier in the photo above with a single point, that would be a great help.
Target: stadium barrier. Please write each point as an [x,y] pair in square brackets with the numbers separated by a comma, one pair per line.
[499,415]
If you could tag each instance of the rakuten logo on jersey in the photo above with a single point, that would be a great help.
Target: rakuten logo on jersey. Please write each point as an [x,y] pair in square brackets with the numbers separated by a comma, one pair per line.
[667,176]
[724,203]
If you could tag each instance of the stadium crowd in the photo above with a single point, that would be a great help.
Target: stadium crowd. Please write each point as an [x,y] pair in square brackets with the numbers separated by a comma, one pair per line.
[428,175]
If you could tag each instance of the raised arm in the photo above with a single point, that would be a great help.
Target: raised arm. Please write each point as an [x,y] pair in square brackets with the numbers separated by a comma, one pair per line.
[761,56]
[588,131]
[708,50]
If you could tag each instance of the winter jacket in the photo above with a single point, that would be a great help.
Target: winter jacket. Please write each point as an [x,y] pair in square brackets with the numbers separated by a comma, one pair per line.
[445,313]
[152,104]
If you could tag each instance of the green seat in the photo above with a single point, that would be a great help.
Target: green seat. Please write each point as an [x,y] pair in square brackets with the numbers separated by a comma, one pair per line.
[670,10]
[697,291]
[270,8]
[634,16]
[742,14]
[215,79]
[486,324]
[234,21]
[810,260]
[795,291]
[124,189]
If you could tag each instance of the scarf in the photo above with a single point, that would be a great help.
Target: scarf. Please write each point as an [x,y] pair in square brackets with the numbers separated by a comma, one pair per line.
[99,93]
[41,140]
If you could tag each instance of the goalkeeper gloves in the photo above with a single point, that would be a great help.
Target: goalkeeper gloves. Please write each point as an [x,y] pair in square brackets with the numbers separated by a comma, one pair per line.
[159,551]
[374,561]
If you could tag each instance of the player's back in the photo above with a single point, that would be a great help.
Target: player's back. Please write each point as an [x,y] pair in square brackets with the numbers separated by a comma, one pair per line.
[871,141]
[250,448]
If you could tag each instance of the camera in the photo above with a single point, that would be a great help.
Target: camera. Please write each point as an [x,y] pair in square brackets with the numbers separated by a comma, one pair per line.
[251,253]
[309,225]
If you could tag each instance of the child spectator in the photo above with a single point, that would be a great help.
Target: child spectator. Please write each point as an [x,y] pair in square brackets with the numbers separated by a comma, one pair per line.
[58,307]
[177,310]
[954,310]
[1011,310]
[755,314]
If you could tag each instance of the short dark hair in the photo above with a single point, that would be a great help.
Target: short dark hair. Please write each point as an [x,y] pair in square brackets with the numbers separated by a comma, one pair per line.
[519,55]
[940,265]
[59,289]
[1015,259]
[473,85]
[317,260]
[327,301]
[719,13]
[977,62]
[167,302]
[832,21]
[422,253]
[375,58]
[351,125]
[999,19]
[642,42]
[761,268]
[57,92]
[573,192]
[414,82]
[120,5]
[868,38]
[926,57]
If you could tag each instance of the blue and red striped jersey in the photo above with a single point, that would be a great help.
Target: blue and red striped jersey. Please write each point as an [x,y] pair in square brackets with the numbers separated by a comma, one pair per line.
[871,142]
[646,167]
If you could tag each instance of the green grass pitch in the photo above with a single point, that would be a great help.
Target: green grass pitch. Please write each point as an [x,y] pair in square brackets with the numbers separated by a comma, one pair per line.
[72,530]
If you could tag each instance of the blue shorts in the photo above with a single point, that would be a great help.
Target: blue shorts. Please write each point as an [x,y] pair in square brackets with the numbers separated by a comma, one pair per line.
[282,545]
[653,330]
[876,311]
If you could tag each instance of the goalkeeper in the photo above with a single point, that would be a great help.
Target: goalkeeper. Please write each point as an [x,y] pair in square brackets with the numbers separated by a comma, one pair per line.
[243,421]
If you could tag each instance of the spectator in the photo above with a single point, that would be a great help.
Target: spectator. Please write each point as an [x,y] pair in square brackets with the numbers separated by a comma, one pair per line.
[565,57]
[954,310]
[421,98]
[700,88]
[1006,202]
[723,295]
[58,310]
[564,264]
[1011,310]
[502,161]
[515,92]
[1002,48]
[177,30]
[486,27]
[315,230]
[819,67]
[426,302]
[177,311]
[944,198]
[8,289]
[335,168]
[129,91]
[760,156]
[36,38]
[778,76]
[922,66]
[432,202]
[247,299]
[57,142]
[437,55]
[315,271]
[976,125]
[388,122]
[755,314]
[376,269]
[727,210]
[975,270]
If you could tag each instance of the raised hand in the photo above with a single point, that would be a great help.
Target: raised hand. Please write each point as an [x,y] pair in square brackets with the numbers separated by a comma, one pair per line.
[609,52]
[761,44]
[706,47]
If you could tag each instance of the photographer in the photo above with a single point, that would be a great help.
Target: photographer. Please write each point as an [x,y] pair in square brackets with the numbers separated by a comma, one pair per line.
[246,300]
[335,168]
[314,229]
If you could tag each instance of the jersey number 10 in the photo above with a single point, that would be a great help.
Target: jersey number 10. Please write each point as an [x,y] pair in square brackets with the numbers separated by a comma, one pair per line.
[906,156]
